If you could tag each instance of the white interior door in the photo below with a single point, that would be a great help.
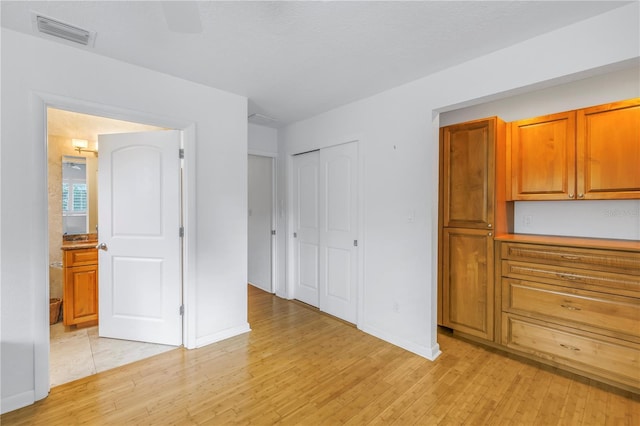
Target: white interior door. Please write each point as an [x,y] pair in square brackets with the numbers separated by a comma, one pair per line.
[306,250]
[140,287]
[260,221]
[338,230]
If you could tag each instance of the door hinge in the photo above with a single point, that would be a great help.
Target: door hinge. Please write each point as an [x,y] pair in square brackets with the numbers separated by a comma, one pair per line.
[273,232]
[181,231]
[355,243]
[181,153]
[181,309]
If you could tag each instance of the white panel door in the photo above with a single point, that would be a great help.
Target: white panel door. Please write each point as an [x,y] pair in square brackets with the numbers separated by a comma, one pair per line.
[140,287]
[306,221]
[338,231]
[260,223]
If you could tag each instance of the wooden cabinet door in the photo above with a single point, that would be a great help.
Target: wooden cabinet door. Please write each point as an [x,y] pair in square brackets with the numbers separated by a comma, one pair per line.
[468,173]
[80,294]
[543,157]
[468,288]
[608,151]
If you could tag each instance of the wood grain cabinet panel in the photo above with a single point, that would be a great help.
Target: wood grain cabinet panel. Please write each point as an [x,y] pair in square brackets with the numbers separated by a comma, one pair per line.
[575,257]
[468,174]
[468,274]
[543,161]
[80,289]
[588,310]
[597,355]
[608,151]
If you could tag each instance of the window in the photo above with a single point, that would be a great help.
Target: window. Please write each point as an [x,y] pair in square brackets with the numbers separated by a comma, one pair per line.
[74,201]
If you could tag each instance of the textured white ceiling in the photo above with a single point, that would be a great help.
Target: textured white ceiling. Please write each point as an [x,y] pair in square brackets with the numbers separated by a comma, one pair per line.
[294,60]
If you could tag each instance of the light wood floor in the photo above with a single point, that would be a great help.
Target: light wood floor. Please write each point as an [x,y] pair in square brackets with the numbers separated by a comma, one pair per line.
[298,366]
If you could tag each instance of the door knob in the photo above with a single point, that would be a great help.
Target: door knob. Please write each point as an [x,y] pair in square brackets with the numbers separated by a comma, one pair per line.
[102,246]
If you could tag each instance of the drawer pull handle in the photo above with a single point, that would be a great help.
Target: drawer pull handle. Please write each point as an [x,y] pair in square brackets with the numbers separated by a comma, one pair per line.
[571,348]
[571,308]
[568,257]
[568,277]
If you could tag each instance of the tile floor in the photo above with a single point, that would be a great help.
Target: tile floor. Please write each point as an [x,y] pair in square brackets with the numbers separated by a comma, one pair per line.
[77,353]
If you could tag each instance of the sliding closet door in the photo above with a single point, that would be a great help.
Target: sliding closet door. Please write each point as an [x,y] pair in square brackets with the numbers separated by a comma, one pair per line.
[306,177]
[326,229]
[338,230]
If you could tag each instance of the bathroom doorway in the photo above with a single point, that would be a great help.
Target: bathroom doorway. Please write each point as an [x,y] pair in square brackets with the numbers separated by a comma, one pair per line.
[72,152]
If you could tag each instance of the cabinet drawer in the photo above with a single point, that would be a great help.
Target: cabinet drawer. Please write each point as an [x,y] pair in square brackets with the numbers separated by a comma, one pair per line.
[585,352]
[605,260]
[608,282]
[617,314]
[80,257]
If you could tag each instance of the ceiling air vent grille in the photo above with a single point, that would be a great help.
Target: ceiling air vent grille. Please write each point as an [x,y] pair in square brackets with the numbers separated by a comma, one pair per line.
[62,30]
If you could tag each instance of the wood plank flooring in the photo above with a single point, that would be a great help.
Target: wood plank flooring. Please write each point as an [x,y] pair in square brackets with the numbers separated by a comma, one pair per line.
[298,366]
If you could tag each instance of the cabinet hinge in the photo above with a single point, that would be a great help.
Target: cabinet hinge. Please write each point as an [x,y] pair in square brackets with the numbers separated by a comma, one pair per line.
[273,232]
[295,235]
[181,153]
[181,231]
[355,243]
[181,309]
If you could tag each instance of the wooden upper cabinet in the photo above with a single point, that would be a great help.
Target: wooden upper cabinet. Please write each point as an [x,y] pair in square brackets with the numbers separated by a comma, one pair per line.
[543,157]
[468,174]
[591,153]
[608,151]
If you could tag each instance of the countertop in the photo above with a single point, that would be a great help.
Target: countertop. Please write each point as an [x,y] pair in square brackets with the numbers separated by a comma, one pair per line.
[76,242]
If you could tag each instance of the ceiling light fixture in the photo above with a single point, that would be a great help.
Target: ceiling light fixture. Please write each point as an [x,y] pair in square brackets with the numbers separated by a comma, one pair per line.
[59,29]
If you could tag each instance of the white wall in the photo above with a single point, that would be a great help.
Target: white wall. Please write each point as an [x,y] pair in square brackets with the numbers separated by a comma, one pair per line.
[398,133]
[34,70]
[580,218]
[262,140]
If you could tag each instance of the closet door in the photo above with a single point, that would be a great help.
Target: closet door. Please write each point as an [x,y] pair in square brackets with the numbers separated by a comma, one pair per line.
[338,230]
[306,217]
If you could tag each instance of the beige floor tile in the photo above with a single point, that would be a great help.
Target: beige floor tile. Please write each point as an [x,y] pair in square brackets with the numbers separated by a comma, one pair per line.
[77,353]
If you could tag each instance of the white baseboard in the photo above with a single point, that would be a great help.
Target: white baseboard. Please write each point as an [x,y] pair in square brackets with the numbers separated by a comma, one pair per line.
[222,335]
[17,401]
[429,353]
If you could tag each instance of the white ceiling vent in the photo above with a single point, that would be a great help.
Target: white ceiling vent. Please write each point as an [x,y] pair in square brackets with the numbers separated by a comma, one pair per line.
[59,29]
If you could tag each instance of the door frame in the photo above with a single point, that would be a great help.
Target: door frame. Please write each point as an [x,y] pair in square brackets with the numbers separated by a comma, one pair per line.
[289,240]
[274,212]
[39,103]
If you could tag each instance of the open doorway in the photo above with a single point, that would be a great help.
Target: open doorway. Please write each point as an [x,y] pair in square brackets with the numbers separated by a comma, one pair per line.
[72,152]
[261,223]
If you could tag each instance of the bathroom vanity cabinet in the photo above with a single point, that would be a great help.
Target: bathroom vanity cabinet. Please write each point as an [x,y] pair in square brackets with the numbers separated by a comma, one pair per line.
[80,290]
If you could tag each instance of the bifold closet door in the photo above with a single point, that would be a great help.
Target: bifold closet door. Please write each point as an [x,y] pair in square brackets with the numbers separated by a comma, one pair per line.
[325,211]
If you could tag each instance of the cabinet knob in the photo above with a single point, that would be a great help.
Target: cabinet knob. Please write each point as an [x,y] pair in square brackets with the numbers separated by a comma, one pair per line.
[571,195]
[490,234]
[488,225]
[580,195]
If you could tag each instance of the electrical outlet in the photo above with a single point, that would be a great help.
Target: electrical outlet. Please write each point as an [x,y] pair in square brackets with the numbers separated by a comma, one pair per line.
[527,220]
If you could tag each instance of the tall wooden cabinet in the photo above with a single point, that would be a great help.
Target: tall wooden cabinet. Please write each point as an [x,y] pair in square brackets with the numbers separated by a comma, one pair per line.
[472,210]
